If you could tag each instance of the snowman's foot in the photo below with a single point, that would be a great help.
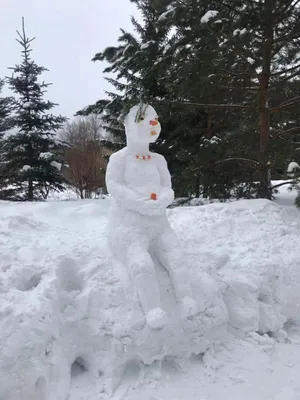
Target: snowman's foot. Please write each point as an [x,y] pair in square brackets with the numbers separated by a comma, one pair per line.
[156,318]
[188,307]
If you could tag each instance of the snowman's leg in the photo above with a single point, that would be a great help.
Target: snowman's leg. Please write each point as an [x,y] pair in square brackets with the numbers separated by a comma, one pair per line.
[168,251]
[143,273]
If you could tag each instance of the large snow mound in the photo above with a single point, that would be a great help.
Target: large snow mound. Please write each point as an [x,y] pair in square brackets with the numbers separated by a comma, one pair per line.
[67,307]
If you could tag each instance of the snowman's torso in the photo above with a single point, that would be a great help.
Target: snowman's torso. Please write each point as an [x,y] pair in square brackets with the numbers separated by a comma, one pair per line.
[142,175]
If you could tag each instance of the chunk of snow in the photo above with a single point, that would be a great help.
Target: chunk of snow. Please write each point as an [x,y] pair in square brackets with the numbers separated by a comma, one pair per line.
[208,16]
[146,45]
[46,155]
[56,165]
[166,48]
[239,32]
[27,105]
[223,42]
[26,168]
[250,60]
[292,167]
[165,15]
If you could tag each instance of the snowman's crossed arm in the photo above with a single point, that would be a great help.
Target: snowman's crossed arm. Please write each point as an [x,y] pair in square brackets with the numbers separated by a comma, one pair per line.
[125,196]
[166,196]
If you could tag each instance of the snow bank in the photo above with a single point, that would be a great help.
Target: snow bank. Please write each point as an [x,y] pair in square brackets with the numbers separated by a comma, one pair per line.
[251,250]
[68,305]
[68,308]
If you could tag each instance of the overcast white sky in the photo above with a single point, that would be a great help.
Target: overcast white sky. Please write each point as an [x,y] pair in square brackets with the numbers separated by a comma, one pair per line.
[68,34]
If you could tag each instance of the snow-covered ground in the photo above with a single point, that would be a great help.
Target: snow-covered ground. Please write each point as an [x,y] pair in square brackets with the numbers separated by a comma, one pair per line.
[71,328]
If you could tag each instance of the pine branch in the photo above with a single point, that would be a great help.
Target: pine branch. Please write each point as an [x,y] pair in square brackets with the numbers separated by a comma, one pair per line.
[282,184]
[246,160]
[287,78]
[286,104]
[237,159]
[289,6]
[285,71]
[251,89]
[213,106]
[289,37]
[287,132]
[239,73]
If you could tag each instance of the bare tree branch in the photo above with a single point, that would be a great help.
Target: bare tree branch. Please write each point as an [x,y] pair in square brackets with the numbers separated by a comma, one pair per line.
[84,154]
[213,106]
[286,104]
[287,132]
[239,159]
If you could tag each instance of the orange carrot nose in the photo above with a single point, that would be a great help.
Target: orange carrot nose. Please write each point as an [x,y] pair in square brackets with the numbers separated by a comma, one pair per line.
[154,122]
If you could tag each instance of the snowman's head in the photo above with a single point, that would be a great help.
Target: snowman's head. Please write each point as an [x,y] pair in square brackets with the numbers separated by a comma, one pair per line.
[142,125]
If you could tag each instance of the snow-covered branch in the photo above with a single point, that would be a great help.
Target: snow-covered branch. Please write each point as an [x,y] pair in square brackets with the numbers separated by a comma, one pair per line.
[278,185]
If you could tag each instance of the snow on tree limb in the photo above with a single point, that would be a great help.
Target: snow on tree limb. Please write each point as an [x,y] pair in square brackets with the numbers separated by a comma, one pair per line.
[208,16]
[292,167]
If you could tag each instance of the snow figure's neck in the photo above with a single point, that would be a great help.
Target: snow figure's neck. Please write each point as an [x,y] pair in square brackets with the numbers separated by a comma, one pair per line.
[138,149]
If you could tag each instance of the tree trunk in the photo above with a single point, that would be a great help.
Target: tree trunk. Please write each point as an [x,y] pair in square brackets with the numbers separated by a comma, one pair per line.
[30,189]
[264,124]
[209,134]
[264,111]
[197,193]
[30,178]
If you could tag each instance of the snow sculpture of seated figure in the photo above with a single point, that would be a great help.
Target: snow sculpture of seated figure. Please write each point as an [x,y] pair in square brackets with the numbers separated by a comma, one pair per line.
[140,185]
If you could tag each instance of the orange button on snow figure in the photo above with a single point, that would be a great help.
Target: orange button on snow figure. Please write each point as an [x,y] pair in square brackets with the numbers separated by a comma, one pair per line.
[153,196]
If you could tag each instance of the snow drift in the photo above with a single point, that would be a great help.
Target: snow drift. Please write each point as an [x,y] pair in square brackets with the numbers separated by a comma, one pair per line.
[68,307]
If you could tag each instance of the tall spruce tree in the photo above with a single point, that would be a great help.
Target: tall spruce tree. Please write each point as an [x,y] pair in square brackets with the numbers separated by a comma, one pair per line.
[172,71]
[30,159]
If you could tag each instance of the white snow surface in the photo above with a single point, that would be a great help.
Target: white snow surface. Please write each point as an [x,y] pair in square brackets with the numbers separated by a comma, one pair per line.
[72,327]
[208,16]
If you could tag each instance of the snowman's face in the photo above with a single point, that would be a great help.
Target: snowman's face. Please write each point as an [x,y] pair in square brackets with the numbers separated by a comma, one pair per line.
[142,125]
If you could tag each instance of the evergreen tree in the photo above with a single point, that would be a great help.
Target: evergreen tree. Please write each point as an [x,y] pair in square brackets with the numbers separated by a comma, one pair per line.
[6,123]
[141,75]
[259,57]
[31,166]
[168,69]
[225,76]
[5,112]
